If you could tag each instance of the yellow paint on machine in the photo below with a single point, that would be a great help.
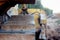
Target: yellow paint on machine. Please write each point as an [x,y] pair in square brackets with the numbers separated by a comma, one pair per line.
[36,14]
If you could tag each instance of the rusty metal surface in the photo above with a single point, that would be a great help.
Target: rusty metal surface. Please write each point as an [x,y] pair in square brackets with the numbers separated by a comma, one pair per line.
[20,23]
[21,20]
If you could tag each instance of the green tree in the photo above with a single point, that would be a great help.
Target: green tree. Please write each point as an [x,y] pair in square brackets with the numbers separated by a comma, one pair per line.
[48,11]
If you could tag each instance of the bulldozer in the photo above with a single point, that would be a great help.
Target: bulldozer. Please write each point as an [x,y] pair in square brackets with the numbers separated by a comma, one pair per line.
[20,23]
[5,5]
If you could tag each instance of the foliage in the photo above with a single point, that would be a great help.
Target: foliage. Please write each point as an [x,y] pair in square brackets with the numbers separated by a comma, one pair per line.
[48,11]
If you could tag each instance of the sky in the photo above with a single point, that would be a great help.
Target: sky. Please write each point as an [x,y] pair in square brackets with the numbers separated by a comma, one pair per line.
[52,4]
